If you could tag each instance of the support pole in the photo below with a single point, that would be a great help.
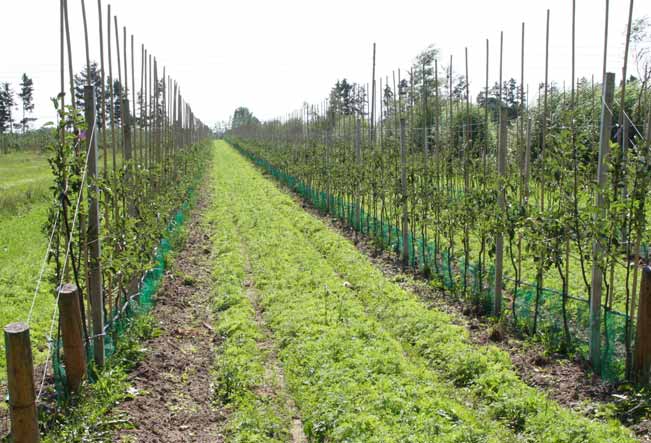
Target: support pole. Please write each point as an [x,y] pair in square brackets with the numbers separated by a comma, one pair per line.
[95,289]
[74,354]
[404,198]
[20,383]
[501,203]
[600,203]
[358,162]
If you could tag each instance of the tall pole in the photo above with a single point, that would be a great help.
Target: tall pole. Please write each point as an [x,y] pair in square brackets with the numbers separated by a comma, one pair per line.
[501,203]
[600,203]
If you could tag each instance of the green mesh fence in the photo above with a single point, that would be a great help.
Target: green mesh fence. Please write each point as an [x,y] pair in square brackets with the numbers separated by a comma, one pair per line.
[548,322]
[129,306]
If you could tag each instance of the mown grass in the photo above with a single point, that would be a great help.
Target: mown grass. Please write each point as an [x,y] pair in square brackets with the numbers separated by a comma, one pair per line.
[367,361]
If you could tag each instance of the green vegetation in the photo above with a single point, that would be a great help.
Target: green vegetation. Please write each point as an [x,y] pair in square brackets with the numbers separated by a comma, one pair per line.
[25,179]
[91,417]
[365,360]
[241,379]
[24,194]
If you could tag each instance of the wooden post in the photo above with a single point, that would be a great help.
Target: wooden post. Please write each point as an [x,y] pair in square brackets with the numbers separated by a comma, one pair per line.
[642,357]
[95,289]
[74,354]
[597,247]
[20,383]
[501,203]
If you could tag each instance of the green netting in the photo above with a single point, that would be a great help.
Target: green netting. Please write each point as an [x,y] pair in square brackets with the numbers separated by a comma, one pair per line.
[548,322]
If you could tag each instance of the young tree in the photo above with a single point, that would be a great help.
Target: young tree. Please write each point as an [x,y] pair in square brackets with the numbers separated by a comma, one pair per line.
[27,97]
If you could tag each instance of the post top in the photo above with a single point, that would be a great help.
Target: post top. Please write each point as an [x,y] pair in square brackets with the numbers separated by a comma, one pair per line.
[16,328]
[68,288]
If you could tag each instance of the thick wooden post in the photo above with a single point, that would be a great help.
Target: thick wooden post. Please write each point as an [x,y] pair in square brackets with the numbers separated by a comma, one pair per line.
[501,203]
[95,289]
[20,383]
[600,203]
[126,130]
[74,354]
[642,357]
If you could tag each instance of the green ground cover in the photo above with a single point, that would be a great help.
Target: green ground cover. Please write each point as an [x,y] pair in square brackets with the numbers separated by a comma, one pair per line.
[25,179]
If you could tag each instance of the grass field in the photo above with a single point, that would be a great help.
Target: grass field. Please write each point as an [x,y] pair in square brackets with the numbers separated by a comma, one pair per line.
[25,178]
[363,359]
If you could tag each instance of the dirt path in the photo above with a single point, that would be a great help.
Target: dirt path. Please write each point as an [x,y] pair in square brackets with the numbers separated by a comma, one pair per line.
[173,399]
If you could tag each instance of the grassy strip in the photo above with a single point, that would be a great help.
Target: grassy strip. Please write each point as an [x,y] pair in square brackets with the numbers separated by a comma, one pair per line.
[22,247]
[240,374]
[481,377]
[351,380]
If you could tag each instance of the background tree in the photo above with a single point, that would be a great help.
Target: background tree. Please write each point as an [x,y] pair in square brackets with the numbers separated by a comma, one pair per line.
[7,103]
[423,69]
[510,99]
[117,102]
[641,45]
[243,117]
[96,81]
[27,97]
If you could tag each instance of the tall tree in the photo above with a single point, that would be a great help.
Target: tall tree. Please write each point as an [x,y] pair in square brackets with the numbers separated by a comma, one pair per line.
[7,103]
[81,79]
[243,117]
[510,99]
[117,102]
[27,97]
[346,98]
[423,69]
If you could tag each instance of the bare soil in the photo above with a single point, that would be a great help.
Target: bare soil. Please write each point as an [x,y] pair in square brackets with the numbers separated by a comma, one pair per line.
[173,387]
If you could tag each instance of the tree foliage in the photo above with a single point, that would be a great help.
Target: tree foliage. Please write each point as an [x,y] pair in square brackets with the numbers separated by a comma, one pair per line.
[243,117]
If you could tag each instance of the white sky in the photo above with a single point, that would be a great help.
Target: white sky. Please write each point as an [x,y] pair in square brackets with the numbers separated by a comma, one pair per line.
[271,56]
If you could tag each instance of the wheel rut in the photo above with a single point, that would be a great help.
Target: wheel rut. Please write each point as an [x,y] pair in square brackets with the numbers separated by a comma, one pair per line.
[275,384]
